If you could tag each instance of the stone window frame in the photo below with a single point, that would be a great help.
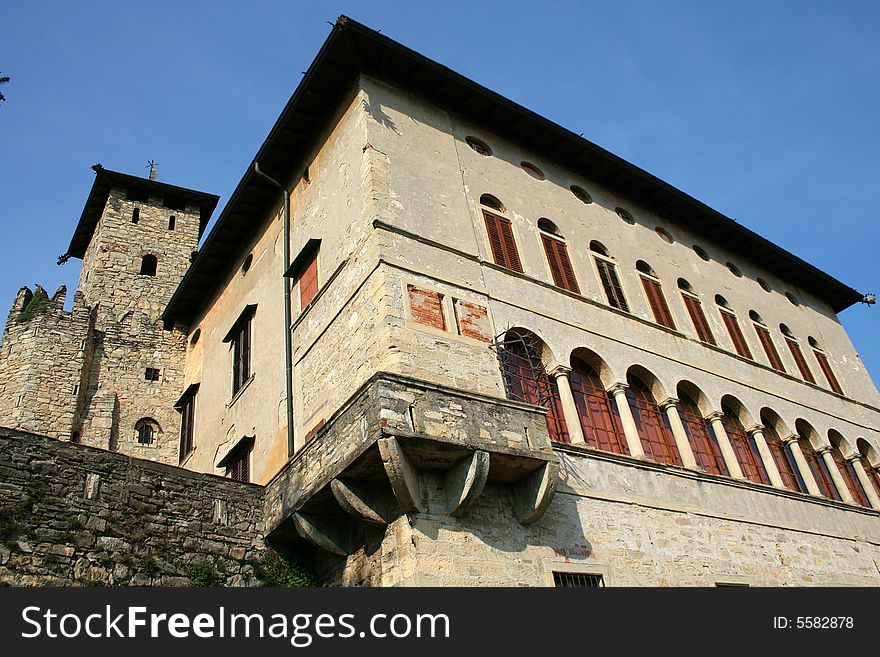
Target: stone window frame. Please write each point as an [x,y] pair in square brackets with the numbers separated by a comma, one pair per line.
[604,570]
[154,433]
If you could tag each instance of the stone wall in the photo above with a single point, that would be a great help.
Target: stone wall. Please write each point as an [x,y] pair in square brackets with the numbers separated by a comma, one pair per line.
[75,515]
[42,358]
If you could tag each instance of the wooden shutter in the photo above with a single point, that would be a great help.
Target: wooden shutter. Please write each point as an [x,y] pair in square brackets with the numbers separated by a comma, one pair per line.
[769,348]
[560,264]
[736,335]
[308,283]
[799,359]
[695,310]
[611,284]
[826,370]
[654,293]
[501,241]
[187,415]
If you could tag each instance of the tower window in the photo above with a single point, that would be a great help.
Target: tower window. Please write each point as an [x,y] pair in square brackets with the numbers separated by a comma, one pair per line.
[148,265]
[172,220]
[135,215]
[147,431]
[151,374]
[174,203]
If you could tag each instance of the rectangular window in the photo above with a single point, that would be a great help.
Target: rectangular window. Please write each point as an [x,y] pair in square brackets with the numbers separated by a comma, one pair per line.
[736,335]
[701,325]
[827,371]
[611,284]
[239,336]
[501,241]
[799,360]
[560,264]
[240,468]
[426,307]
[308,283]
[151,374]
[659,307]
[578,580]
[187,419]
[769,348]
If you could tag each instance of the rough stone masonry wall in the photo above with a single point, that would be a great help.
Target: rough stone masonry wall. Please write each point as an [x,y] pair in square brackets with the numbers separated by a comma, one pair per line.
[74,515]
[41,360]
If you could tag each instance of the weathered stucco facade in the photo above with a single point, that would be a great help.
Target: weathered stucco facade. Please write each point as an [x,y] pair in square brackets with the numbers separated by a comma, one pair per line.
[421,456]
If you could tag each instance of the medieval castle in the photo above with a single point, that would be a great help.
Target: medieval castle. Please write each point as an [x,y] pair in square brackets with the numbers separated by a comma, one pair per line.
[435,339]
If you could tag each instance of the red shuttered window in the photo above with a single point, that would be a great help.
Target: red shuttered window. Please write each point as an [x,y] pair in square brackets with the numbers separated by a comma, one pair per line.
[659,307]
[654,432]
[827,371]
[798,356]
[746,451]
[501,241]
[308,283]
[560,264]
[736,334]
[701,325]
[705,447]
[611,284]
[784,460]
[850,478]
[820,472]
[240,469]
[596,410]
[769,348]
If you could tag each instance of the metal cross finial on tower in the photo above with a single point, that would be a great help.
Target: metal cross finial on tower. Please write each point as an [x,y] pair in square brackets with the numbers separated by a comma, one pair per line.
[153,169]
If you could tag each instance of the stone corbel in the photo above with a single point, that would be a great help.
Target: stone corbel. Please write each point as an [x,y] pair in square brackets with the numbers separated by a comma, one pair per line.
[533,494]
[326,532]
[465,482]
[401,473]
[362,500]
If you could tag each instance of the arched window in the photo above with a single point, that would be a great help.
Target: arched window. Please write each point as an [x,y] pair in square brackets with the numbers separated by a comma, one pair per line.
[557,256]
[825,366]
[654,294]
[818,468]
[526,380]
[596,410]
[865,451]
[147,430]
[784,460]
[766,341]
[654,432]
[148,265]
[796,353]
[733,329]
[703,443]
[500,232]
[744,447]
[849,474]
[608,277]
[695,310]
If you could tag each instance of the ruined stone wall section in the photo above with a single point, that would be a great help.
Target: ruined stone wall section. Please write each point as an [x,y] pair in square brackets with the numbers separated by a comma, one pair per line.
[41,357]
[78,516]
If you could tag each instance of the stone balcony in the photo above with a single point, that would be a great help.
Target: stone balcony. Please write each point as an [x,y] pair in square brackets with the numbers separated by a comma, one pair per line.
[364,466]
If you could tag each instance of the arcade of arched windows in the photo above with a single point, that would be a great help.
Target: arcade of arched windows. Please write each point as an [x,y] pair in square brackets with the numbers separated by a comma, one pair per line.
[588,406]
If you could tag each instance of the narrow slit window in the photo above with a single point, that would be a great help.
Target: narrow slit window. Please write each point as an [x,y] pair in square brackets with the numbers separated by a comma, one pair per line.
[172,221]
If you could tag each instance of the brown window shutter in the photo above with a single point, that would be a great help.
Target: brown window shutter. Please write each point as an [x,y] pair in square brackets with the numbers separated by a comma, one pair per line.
[654,293]
[826,370]
[560,264]
[308,283]
[769,348]
[695,310]
[799,359]
[501,241]
[736,335]
[611,284]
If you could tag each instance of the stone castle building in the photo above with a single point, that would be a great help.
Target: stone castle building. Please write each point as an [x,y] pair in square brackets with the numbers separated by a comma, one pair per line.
[458,344]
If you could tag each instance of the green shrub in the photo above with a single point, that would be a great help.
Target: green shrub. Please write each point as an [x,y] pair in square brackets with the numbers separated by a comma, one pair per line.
[275,570]
[36,306]
[202,574]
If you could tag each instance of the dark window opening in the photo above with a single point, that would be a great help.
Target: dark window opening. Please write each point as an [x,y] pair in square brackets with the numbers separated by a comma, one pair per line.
[187,418]
[151,374]
[137,194]
[584,580]
[135,215]
[241,355]
[239,469]
[149,264]
[611,284]
[147,431]
[172,220]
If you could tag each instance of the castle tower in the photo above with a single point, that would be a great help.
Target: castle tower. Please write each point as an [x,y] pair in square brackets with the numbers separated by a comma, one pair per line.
[108,373]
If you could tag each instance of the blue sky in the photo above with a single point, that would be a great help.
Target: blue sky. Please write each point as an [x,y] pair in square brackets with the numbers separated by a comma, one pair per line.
[767,111]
